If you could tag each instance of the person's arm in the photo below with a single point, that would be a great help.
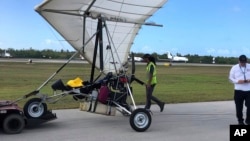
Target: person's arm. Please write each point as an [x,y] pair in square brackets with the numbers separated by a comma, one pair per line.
[231,77]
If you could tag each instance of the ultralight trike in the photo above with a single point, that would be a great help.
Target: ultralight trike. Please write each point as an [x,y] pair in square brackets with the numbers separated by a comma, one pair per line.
[102,31]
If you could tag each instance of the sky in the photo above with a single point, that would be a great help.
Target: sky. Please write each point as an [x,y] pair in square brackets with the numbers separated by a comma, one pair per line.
[195,27]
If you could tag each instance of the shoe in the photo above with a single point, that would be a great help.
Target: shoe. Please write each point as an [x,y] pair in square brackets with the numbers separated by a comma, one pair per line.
[162,106]
[247,122]
[241,123]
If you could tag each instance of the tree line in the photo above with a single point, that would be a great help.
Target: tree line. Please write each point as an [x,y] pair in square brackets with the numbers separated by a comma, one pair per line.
[198,59]
[65,54]
[46,53]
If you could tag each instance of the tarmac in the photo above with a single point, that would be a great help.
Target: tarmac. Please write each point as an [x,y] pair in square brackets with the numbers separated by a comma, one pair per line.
[203,121]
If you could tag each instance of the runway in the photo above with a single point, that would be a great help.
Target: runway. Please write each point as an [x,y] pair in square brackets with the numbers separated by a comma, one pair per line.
[22,60]
[34,60]
[204,121]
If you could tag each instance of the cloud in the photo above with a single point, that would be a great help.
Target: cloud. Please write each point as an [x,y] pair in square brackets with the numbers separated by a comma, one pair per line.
[147,49]
[236,9]
[162,51]
[223,52]
[56,44]
[50,42]
[240,50]
[210,50]
[245,50]
[174,50]
[218,52]
[228,52]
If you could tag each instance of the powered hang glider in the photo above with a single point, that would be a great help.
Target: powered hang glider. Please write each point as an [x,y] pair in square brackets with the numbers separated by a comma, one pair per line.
[114,22]
[102,31]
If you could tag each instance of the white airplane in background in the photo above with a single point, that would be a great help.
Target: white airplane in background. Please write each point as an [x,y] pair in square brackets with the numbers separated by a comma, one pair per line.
[176,58]
[5,54]
[136,59]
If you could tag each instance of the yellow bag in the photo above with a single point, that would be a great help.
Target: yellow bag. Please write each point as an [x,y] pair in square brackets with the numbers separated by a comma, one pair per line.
[77,82]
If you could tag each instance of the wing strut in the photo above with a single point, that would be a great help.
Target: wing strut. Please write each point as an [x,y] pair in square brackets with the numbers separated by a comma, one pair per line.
[84,23]
[98,41]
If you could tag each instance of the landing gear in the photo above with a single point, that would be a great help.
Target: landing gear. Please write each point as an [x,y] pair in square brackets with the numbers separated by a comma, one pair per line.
[140,120]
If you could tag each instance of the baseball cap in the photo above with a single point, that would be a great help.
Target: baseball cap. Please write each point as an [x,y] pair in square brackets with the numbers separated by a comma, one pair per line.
[243,58]
[146,56]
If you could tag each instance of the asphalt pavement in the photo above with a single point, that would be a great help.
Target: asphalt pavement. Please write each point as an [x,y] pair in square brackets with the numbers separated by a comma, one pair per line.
[204,121]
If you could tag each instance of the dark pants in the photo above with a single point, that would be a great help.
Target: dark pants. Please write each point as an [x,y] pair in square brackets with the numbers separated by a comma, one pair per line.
[239,98]
[149,93]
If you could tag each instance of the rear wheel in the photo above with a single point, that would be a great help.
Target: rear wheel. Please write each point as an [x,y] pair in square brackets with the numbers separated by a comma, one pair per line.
[13,124]
[34,108]
[140,120]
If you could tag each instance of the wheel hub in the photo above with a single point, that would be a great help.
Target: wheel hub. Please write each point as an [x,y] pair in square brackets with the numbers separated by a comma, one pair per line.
[36,109]
[141,120]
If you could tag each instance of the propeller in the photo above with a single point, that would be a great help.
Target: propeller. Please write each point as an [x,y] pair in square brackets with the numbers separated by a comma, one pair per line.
[133,78]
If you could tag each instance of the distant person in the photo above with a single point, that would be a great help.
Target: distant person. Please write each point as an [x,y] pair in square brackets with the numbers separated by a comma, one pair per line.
[240,76]
[151,82]
[30,61]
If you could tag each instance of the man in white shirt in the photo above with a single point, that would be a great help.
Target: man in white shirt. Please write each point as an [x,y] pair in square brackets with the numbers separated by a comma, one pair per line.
[240,76]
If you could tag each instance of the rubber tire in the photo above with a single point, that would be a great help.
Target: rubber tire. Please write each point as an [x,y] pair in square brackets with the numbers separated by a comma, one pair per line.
[13,124]
[31,109]
[140,120]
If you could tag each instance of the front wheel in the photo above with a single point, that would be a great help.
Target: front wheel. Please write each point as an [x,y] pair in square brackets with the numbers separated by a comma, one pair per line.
[13,124]
[34,108]
[140,120]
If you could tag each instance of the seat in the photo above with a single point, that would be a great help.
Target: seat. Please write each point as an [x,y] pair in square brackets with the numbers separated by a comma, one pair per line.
[58,85]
